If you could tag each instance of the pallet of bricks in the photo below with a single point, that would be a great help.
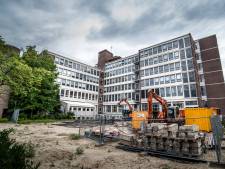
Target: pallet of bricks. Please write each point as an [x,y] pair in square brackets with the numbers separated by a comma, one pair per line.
[185,140]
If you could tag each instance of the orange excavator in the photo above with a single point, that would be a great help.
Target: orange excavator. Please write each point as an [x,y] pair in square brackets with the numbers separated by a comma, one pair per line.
[167,112]
[126,113]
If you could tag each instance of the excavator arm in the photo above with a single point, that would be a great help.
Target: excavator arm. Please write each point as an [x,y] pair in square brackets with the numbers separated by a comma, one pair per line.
[127,103]
[163,102]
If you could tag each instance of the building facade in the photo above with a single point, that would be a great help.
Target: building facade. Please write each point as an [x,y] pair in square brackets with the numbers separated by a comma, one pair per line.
[184,71]
[79,85]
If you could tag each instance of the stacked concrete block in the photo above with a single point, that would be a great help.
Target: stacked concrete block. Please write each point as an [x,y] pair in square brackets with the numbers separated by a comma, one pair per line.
[160,144]
[177,146]
[169,145]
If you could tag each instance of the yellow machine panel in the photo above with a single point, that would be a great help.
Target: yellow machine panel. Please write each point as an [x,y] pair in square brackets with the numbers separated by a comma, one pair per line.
[138,118]
[200,117]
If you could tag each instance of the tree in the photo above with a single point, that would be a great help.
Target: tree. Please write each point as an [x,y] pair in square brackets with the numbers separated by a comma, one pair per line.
[31,79]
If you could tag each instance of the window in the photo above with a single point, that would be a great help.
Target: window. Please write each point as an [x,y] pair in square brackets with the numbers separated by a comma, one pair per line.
[168,94]
[191,77]
[187,41]
[160,59]
[183,65]
[193,90]
[189,103]
[156,81]
[182,54]
[162,92]
[146,72]
[150,61]
[156,70]
[164,47]
[146,62]
[155,60]
[181,43]
[155,50]
[152,82]
[146,82]
[179,91]
[166,68]
[169,45]
[159,49]
[172,67]
[75,94]
[176,55]
[167,79]
[186,91]
[170,56]
[67,93]
[71,94]
[162,80]
[160,69]
[177,65]
[62,92]
[188,52]
[190,64]
[151,71]
[178,77]
[185,77]
[175,44]
[173,91]
[172,78]
[165,57]
[63,82]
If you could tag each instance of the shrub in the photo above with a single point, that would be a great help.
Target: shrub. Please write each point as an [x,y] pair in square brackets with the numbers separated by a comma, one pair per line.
[74,136]
[79,151]
[4,120]
[14,155]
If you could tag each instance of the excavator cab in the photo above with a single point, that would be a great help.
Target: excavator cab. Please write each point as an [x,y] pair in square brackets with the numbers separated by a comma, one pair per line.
[172,112]
[127,114]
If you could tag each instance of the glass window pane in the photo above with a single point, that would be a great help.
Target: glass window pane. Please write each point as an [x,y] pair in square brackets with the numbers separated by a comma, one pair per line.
[165,57]
[187,41]
[183,65]
[185,77]
[181,43]
[174,91]
[180,90]
[182,54]
[168,94]
[191,76]
[193,90]
[162,80]
[172,78]
[170,56]
[188,52]
[162,92]
[190,64]
[186,91]
[177,65]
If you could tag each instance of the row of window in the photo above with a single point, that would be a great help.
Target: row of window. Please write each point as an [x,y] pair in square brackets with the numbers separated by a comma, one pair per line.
[116,88]
[78,95]
[80,109]
[167,57]
[166,47]
[74,84]
[120,71]
[119,79]
[118,97]
[186,77]
[180,90]
[76,75]
[119,63]
[160,69]
[77,66]
[162,80]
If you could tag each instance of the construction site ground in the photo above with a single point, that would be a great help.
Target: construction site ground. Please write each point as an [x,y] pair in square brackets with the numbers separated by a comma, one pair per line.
[56,150]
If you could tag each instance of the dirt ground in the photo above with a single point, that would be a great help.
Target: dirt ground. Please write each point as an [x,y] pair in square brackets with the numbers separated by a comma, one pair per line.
[56,150]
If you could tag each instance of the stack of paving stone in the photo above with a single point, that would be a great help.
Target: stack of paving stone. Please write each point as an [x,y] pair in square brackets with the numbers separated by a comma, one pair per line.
[190,140]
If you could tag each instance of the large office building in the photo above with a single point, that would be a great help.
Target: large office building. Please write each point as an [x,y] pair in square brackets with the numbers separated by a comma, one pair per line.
[184,71]
[78,86]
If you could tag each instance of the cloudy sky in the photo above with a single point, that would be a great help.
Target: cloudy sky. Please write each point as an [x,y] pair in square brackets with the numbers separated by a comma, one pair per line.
[80,29]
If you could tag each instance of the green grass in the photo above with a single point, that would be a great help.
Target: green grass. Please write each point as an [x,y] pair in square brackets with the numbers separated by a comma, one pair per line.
[74,136]
[4,120]
[29,121]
